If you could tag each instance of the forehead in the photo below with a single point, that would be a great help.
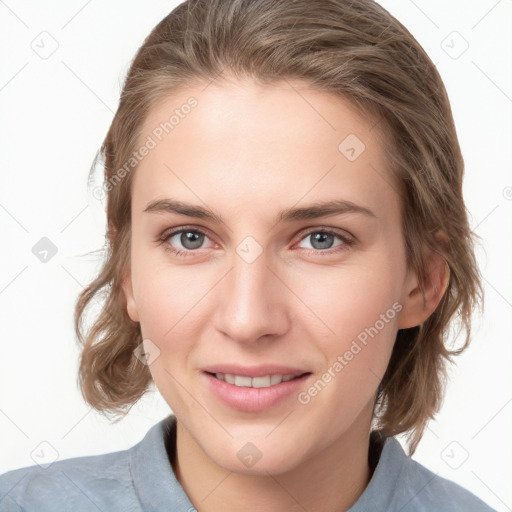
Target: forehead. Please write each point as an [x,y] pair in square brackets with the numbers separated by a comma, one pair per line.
[251,142]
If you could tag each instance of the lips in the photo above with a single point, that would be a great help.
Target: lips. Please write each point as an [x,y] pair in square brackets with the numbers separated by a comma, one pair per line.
[254,388]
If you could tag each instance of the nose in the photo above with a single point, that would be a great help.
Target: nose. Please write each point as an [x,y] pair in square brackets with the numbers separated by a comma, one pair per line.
[253,302]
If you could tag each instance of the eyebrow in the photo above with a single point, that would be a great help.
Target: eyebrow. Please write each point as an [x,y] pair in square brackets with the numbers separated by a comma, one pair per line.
[312,211]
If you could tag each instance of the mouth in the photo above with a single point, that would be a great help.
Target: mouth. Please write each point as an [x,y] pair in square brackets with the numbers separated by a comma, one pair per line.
[264,381]
[255,393]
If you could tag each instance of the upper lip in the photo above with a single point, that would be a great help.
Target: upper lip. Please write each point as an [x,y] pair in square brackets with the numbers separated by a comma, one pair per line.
[254,371]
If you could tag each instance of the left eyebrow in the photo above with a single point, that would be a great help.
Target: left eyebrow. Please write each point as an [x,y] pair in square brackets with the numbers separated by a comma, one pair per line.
[312,211]
[322,209]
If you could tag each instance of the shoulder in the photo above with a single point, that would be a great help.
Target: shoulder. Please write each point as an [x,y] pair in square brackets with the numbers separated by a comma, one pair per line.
[419,489]
[401,483]
[137,479]
[88,483]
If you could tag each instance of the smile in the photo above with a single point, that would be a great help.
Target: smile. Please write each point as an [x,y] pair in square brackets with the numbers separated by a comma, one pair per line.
[254,382]
[255,393]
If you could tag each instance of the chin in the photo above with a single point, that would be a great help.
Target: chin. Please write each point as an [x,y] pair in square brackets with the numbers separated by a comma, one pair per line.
[256,459]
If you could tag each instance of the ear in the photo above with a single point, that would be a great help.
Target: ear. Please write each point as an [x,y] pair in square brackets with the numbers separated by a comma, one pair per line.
[417,307]
[126,284]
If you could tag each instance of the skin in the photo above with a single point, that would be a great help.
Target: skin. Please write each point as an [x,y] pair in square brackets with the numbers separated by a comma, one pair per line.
[248,151]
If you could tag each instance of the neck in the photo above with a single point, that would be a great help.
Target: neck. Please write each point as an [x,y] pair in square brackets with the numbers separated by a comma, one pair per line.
[331,480]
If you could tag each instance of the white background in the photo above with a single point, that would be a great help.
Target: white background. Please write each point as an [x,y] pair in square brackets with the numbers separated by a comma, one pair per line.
[54,115]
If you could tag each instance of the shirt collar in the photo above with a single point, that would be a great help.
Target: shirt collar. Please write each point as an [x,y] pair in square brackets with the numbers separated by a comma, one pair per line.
[153,477]
[380,491]
[158,488]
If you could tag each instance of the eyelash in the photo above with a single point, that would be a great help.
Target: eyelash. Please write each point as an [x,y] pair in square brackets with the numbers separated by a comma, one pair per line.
[347,242]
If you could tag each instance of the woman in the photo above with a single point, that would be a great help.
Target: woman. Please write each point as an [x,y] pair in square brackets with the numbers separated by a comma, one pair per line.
[287,248]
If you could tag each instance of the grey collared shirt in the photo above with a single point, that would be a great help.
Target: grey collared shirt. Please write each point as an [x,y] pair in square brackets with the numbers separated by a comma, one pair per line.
[141,478]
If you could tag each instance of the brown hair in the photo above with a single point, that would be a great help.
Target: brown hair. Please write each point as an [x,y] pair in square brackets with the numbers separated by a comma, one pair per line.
[354,49]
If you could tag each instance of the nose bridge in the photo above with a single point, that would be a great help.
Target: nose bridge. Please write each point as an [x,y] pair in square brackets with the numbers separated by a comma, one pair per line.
[251,304]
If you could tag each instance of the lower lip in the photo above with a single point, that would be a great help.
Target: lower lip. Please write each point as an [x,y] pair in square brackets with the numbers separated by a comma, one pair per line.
[253,399]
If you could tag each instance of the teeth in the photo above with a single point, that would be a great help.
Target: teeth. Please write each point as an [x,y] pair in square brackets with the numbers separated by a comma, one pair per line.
[254,382]
[230,379]
[261,382]
[275,379]
[243,381]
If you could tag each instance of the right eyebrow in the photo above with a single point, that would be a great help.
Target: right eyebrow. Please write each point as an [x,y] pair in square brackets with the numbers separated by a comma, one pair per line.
[173,206]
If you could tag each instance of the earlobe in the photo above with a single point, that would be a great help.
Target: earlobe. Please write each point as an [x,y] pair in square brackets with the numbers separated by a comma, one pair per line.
[131,307]
[418,306]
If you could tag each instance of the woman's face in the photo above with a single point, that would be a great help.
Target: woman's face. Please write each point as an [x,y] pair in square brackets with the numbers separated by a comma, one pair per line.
[253,276]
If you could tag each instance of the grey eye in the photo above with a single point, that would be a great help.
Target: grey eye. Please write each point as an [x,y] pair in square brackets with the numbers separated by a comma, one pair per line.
[189,239]
[321,240]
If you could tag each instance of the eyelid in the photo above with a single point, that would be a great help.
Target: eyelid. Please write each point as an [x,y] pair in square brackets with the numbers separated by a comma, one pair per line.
[178,229]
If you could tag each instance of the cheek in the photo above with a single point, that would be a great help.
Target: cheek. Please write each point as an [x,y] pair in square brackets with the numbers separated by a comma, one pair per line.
[165,300]
[171,302]
[352,317]
[165,294]
[359,314]
[344,301]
